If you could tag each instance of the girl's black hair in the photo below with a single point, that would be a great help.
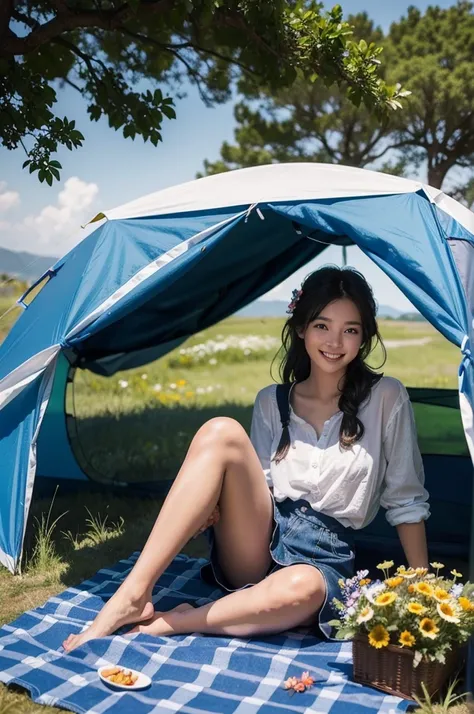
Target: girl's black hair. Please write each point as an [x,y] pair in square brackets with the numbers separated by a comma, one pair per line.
[320,288]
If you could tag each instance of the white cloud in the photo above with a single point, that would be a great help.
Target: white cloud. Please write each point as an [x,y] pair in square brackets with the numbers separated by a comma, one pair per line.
[8,199]
[57,227]
[65,218]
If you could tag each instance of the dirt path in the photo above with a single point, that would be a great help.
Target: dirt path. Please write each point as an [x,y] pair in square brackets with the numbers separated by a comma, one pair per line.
[408,343]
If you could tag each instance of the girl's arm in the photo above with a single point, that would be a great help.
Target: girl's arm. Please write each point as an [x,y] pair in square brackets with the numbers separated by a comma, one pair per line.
[413,539]
[403,493]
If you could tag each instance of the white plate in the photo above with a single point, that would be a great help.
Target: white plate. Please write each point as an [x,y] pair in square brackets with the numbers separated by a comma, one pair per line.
[142,681]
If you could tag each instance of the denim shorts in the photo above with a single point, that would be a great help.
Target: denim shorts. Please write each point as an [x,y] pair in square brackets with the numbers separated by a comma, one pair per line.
[300,536]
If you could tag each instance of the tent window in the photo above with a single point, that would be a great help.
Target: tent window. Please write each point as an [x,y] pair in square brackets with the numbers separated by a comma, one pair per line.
[438,422]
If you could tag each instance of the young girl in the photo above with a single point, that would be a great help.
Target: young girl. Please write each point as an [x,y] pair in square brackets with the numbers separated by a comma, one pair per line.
[325,452]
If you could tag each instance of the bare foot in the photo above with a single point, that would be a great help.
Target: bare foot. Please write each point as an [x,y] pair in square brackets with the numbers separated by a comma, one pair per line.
[157,625]
[118,611]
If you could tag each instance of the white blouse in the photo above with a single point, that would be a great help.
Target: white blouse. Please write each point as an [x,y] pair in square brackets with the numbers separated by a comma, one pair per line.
[383,468]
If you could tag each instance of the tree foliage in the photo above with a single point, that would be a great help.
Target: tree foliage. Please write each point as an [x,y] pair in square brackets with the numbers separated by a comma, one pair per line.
[128,58]
[432,54]
[305,122]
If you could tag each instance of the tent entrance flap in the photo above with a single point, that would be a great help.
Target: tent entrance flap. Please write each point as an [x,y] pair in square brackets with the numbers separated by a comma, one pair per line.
[229,270]
[55,458]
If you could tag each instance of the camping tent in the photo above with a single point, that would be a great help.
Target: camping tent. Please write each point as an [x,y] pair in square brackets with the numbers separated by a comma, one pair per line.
[172,263]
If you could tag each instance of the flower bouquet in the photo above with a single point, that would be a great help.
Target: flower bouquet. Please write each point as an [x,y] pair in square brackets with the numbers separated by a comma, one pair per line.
[406,628]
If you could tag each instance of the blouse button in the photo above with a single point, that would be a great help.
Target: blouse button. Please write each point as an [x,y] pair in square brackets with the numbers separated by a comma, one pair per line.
[315,466]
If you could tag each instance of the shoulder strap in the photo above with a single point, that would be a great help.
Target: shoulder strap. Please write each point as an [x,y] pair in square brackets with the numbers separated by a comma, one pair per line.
[282,395]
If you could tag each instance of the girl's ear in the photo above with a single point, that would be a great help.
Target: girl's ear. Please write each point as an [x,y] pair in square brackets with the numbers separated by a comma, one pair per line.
[300,332]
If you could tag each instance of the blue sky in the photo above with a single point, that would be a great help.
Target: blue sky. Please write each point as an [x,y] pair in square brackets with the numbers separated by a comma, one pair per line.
[110,170]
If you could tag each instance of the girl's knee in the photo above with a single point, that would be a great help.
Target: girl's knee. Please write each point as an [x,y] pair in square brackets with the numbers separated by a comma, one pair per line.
[303,585]
[222,431]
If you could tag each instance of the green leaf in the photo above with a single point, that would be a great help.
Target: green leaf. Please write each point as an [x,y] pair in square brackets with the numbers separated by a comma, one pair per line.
[168,111]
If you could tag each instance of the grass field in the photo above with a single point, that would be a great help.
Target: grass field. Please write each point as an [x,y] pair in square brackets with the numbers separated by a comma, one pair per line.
[137,426]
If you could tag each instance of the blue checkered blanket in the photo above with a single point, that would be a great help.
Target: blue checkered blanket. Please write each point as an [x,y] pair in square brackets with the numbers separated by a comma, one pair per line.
[190,673]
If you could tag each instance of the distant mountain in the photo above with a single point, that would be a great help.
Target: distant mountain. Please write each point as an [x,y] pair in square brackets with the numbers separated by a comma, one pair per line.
[26,266]
[387,311]
[277,308]
[264,308]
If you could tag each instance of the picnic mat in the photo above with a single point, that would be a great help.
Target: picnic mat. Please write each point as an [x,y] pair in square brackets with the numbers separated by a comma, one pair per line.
[190,673]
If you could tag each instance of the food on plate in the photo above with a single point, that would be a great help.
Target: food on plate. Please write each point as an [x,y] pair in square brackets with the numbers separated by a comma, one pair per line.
[119,675]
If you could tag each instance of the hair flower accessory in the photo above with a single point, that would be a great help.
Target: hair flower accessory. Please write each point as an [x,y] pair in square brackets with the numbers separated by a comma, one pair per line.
[295,296]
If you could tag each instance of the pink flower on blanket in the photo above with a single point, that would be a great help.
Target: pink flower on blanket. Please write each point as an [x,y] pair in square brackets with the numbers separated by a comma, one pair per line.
[299,684]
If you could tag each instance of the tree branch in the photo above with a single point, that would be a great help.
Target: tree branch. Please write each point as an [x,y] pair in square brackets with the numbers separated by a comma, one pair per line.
[70,19]
[230,60]
[85,57]
[6,9]
[29,21]
[60,6]
[72,84]
[198,78]
[232,19]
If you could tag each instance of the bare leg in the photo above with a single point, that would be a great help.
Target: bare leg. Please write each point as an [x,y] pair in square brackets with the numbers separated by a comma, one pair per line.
[284,599]
[221,465]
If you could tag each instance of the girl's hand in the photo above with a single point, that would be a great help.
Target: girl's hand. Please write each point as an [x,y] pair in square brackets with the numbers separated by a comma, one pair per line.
[213,518]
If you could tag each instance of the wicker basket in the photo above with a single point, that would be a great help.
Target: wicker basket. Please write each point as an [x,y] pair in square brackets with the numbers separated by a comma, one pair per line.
[391,669]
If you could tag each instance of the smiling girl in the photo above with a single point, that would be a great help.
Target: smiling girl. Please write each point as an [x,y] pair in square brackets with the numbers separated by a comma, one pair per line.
[328,447]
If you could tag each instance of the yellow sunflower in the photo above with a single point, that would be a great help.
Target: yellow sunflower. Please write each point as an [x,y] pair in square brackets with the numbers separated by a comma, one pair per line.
[385,599]
[416,608]
[406,639]
[423,588]
[466,604]
[379,637]
[428,628]
[394,582]
[447,612]
[441,595]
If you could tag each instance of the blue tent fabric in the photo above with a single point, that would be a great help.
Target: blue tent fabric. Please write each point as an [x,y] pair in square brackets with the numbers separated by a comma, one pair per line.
[245,251]
[189,673]
[18,421]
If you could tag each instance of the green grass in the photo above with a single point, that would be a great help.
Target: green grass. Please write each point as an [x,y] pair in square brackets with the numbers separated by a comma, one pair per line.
[137,433]
[152,430]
